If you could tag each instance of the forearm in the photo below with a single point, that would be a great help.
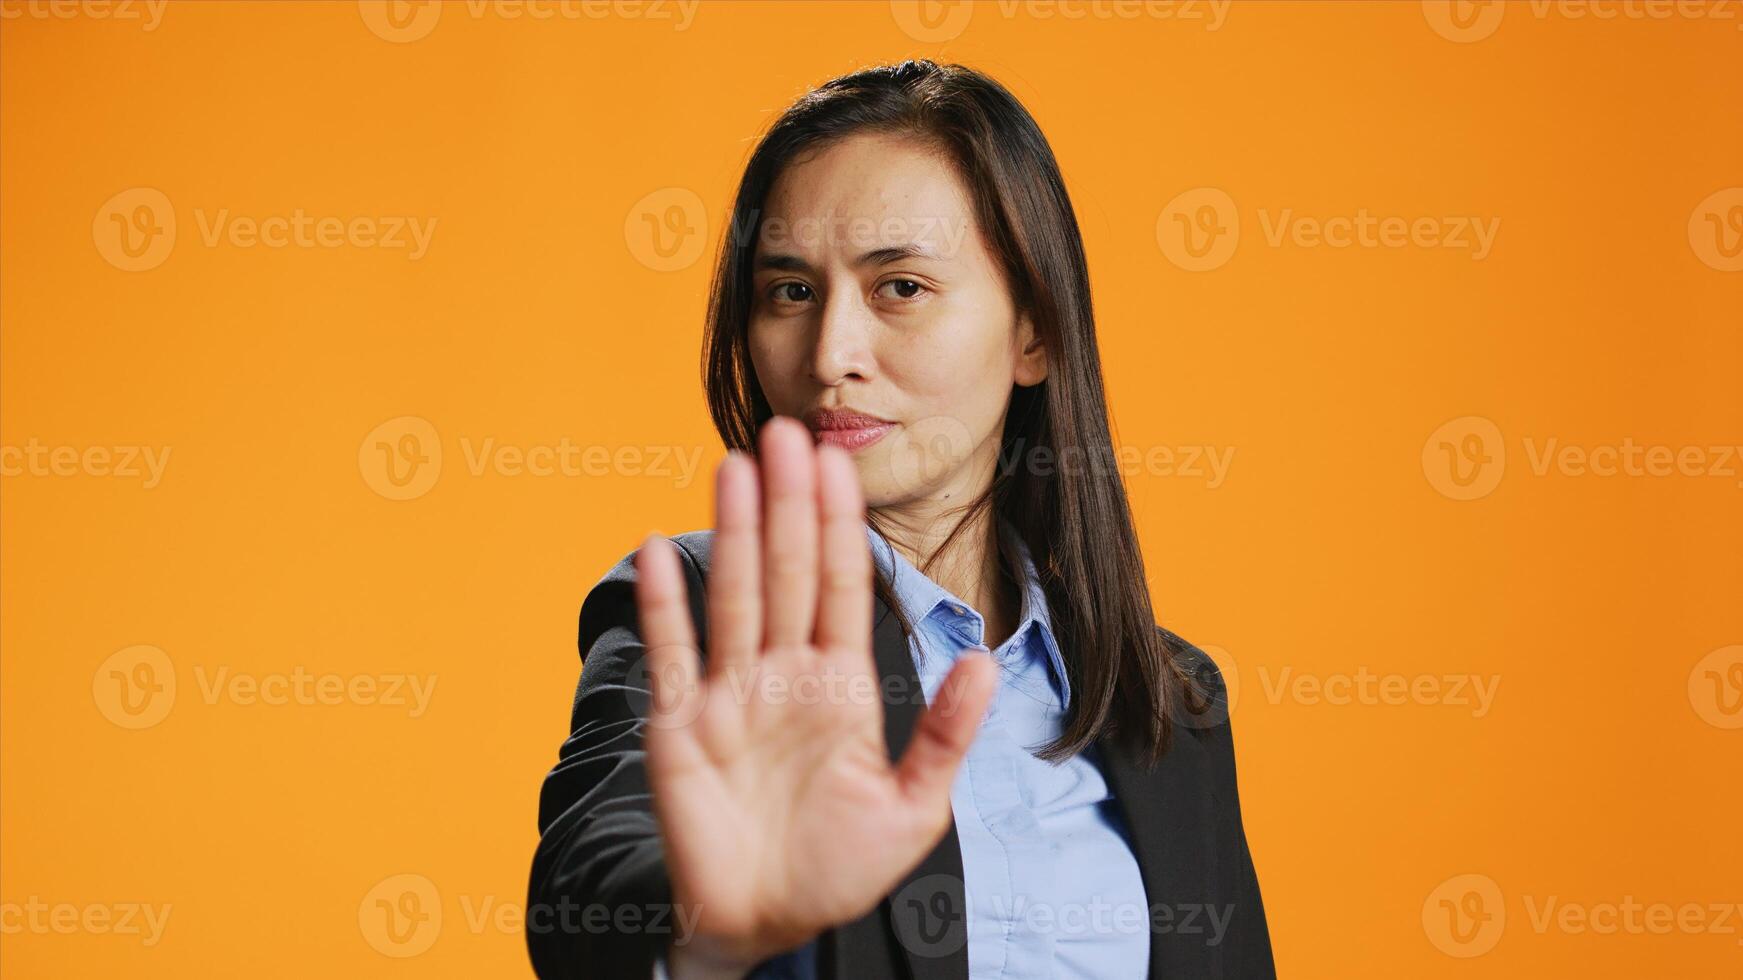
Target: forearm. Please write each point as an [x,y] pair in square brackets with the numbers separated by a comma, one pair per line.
[599,901]
[600,898]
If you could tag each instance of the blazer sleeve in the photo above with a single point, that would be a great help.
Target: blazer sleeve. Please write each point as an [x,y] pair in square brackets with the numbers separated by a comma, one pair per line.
[599,899]
[1247,942]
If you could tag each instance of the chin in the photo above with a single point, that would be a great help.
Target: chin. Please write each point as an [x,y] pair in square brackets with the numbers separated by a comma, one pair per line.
[874,476]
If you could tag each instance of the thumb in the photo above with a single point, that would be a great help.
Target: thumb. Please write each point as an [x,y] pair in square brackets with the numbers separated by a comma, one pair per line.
[945,731]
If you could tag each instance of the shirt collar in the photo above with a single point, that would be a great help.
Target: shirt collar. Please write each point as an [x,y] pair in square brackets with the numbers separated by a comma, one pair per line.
[920,596]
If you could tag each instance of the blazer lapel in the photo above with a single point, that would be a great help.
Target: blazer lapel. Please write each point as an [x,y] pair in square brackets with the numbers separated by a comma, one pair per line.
[926,909]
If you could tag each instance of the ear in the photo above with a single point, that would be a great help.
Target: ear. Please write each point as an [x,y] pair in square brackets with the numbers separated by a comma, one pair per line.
[1031,363]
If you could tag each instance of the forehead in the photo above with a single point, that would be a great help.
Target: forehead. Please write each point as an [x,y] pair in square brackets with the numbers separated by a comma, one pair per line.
[866,191]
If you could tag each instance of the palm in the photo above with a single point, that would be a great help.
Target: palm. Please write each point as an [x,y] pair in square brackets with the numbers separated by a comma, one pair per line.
[779,807]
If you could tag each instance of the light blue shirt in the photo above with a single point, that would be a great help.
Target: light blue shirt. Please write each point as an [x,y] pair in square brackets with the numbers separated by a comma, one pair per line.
[1051,883]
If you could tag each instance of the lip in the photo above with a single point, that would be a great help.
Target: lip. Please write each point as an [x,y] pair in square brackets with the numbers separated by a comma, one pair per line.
[846,428]
[854,440]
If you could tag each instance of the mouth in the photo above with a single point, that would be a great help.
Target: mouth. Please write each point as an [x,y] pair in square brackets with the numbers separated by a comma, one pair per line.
[846,428]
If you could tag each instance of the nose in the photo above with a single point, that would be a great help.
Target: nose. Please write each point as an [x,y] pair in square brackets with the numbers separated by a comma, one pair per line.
[843,349]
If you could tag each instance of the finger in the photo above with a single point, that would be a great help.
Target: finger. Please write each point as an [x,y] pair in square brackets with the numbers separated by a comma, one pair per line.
[845,569]
[735,585]
[667,636]
[945,731]
[789,533]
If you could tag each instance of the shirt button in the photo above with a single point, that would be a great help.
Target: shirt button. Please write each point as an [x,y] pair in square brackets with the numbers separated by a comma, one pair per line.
[960,611]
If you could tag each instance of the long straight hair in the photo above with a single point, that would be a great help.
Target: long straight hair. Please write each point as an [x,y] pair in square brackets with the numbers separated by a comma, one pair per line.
[1074,519]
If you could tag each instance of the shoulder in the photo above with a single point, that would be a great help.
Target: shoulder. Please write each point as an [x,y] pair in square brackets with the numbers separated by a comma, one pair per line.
[694,547]
[698,546]
[1197,666]
[611,601]
[1199,710]
[1200,702]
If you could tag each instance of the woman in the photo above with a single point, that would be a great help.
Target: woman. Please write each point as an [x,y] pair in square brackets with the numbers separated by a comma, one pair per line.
[967,749]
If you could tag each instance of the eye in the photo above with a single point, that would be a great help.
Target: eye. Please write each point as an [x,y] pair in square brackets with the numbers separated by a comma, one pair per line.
[790,292]
[904,288]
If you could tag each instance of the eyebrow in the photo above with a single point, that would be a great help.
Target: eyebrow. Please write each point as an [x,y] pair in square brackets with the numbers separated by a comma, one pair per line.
[783,262]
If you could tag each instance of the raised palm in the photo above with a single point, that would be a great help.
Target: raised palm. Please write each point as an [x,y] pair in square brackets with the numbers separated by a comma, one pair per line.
[779,808]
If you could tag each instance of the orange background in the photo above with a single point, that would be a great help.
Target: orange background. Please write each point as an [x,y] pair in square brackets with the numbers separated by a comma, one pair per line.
[1597,775]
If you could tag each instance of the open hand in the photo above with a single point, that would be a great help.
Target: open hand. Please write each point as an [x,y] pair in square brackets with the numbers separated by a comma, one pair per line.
[779,808]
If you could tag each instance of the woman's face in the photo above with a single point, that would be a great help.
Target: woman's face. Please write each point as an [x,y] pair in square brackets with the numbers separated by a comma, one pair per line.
[875,294]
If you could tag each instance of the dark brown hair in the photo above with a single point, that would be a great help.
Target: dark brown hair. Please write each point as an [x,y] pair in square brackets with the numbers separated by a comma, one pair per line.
[1075,520]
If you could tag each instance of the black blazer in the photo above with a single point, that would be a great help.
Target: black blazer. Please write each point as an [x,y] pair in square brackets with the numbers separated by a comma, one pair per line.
[598,904]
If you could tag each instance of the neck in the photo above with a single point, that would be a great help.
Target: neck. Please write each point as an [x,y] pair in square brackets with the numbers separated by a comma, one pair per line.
[968,565]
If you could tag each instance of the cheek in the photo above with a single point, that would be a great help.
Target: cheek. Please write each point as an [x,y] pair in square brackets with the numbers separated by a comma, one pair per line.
[960,369]
[775,365]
